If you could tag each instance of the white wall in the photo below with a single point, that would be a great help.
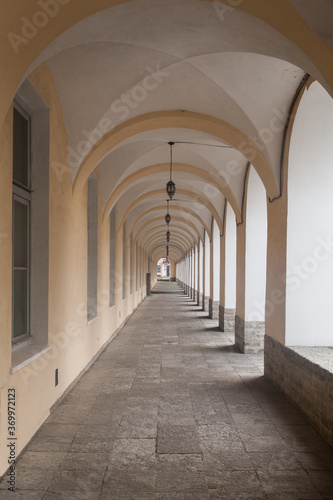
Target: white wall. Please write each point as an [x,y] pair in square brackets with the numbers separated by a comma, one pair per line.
[207,265]
[181,271]
[309,296]
[230,259]
[256,249]
[195,264]
[216,262]
[201,267]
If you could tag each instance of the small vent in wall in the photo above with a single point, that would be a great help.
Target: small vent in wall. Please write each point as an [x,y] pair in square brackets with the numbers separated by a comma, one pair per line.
[56,378]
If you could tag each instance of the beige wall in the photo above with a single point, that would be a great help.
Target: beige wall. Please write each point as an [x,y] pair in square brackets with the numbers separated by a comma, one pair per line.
[73,343]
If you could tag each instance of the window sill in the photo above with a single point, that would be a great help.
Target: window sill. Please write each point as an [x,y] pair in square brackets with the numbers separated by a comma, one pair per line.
[25,353]
[91,320]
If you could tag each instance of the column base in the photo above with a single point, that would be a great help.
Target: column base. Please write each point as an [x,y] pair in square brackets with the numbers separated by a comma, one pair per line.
[148,284]
[213,309]
[205,305]
[221,318]
[249,335]
[229,319]
[303,381]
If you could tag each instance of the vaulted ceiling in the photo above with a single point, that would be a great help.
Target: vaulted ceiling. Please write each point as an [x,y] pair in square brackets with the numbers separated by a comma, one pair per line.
[216,80]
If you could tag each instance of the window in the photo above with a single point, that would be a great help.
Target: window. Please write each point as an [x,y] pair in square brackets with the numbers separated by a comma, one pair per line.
[21,224]
[131,264]
[30,235]
[113,257]
[136,265]
[124,260]
[92,221]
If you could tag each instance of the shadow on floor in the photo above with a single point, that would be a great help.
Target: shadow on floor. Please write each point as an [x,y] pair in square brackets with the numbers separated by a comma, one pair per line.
[224,348]
[213,329]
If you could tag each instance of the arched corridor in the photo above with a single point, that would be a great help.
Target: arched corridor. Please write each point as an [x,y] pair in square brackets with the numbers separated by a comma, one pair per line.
[188,140]
[171,410]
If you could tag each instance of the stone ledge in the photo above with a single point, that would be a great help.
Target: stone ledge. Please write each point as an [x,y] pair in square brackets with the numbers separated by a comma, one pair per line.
[296,372]
[320,356]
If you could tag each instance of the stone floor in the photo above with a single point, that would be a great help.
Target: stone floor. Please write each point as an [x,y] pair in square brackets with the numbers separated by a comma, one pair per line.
[171,412]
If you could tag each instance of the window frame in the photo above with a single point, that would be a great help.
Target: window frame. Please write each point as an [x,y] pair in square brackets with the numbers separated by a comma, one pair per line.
[22,194]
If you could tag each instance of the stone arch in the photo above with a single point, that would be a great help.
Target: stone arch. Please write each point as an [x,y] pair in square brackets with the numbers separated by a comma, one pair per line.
[187,238]
[174,207]
[178,119]
[161,219]
[197,197]
[177,167]
[273,14]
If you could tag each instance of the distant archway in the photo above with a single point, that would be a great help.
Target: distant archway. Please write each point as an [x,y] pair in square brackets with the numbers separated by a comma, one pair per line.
[163,269]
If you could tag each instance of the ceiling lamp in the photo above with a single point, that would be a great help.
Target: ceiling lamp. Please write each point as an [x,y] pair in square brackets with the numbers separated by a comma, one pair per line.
[168,216]
[167,250]
[171,186]
[168,236]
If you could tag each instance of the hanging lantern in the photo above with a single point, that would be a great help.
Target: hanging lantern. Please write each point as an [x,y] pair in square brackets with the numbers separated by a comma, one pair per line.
[171,189]
[168,236]
[168,218]
[171,186]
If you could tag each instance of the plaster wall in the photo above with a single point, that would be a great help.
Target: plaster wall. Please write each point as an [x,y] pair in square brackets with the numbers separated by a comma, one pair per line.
[216,262]
[197,277]
[72,343]
[256,249]
[201,277]
[309,294]
[207,265]
[230,259]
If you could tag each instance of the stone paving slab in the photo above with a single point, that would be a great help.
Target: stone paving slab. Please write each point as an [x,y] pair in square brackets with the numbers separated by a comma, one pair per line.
[171,411]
